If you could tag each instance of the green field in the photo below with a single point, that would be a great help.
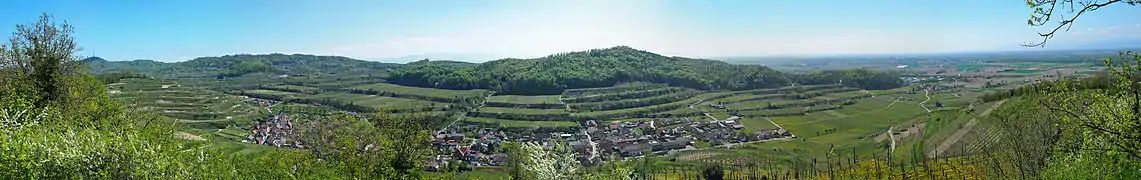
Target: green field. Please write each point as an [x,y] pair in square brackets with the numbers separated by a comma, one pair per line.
[757,124]
[274,93]
[522,111]
[640,110]
[374,101]
[636,102]
[514,123]
[516,99]
[1024,71]
[419,91]
[294,88]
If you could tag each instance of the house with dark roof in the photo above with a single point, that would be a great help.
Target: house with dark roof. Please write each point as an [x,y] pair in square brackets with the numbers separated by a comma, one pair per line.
[630,150]
[455,136]
[678,143]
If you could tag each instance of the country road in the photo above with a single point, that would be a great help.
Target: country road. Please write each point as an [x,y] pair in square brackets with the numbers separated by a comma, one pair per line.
[961,132]
[461,116]
[928,94]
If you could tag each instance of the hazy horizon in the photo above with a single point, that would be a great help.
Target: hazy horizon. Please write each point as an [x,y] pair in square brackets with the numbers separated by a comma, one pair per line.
[182,30]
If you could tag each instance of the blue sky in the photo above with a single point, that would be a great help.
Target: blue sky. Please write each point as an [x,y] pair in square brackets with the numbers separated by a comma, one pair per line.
[178,30]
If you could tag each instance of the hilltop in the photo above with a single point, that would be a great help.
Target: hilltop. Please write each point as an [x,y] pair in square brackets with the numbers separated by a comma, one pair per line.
[583,69]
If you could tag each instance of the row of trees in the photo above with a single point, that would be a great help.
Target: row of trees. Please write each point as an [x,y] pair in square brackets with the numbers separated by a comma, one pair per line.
[623,95]
[631,103]
[622,87]
[114,77]
[454,99]
[859,78]
[525,117]
[1098,81]
[631,112]
[544,105]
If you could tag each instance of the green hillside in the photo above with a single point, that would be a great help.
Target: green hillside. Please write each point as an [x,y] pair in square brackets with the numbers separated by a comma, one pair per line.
[586,69]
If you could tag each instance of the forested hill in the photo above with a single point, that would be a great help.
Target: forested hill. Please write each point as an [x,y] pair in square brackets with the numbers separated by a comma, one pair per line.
[99,65]
[237,65]
[591,68]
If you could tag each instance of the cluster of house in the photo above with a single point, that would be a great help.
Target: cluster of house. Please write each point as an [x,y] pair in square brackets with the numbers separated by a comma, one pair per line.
[598,142]
[482,149]
[921,79]
[264,102]
[276,131]
[258,101]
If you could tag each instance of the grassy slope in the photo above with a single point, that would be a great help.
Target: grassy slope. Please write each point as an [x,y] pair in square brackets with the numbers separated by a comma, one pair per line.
[516,99]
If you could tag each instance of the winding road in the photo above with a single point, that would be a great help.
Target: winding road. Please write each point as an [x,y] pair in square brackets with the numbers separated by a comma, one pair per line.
[928,94]
[461,116]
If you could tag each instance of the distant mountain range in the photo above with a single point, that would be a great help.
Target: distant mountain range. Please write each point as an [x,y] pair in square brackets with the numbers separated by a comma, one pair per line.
[1075,52]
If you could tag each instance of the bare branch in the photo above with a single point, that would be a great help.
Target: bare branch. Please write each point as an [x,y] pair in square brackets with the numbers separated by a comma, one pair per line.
[1046,13]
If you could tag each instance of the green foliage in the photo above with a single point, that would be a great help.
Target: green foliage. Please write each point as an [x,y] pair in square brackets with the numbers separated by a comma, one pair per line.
[713,172]
[99,66]
[532,161]
[1070,128]
[114,77]
[860,78]
[1108,117]
[246,67]
[39,69]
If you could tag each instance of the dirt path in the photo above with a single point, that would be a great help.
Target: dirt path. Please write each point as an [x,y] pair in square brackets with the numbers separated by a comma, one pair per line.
[561,101]
[889,104]
[928,94]
[711,117]
[778,126]
[461,116]
[962,132]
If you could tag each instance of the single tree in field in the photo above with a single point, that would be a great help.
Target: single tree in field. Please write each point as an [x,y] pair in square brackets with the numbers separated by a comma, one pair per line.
[38,68]
[38,58]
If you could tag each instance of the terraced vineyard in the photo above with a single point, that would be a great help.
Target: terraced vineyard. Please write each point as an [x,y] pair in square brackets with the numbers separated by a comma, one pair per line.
[635,100]
[428,94]
[787,101]
[364,97]
[518,112]
[526,102]
[198,106]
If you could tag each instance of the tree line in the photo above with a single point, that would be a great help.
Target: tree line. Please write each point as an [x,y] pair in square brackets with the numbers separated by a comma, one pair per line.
[623,95]
[631,103]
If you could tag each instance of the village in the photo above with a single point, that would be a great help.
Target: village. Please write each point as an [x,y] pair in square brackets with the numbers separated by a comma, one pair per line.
[277,129]
[595,142]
